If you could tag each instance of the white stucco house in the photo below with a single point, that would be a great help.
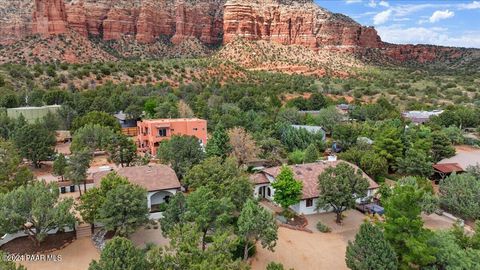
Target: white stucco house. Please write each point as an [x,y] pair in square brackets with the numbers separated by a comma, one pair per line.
[308,175]
[159,180]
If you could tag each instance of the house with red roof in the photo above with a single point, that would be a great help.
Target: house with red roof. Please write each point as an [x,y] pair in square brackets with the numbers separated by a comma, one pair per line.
[308,175]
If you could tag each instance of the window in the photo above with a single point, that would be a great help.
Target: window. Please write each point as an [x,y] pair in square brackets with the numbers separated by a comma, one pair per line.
[269,193]
[309,202]
[195,129]
[162,132]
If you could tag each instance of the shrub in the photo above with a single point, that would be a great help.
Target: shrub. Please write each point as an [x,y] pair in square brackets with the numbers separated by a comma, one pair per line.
[323,228]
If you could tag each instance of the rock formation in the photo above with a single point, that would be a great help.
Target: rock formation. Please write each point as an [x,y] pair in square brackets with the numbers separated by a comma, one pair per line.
[213,22]
[49,17]
[298,22]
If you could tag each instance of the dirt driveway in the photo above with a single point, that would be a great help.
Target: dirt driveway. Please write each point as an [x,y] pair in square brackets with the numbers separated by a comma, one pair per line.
[76,256]
[314,251]
[303,250]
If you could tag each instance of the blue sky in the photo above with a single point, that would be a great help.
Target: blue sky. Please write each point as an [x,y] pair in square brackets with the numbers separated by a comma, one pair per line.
[439,22]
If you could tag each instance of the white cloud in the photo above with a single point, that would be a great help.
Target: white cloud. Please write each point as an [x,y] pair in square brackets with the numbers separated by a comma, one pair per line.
[382,17]
[352,1]
[372,4]
[425,35]
[472,5]
[441,15]
[384,4]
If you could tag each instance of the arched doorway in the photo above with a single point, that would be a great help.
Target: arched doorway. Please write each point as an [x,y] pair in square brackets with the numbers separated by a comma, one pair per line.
[159,201]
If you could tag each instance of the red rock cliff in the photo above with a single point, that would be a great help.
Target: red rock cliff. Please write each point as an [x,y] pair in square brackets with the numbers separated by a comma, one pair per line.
[295,22]
[213,22]
[49,17]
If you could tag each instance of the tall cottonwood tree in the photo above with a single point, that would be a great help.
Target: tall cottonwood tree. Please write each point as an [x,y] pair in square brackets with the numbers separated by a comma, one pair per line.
[244,148]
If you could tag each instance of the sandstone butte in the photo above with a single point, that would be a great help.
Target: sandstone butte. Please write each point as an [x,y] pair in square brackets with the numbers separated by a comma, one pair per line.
[213,22]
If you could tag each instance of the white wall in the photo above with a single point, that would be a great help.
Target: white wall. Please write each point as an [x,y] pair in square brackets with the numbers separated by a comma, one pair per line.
[9,237]
[169,192]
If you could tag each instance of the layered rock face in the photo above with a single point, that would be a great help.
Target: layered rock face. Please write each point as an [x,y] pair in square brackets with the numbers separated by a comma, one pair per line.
[294,22]
[49,17]
[213,22]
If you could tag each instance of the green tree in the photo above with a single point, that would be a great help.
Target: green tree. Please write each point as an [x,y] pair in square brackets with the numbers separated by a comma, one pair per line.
[184,252]
[429,202]
[223,177]
[451,253]
[403,227]
[182,152]
[460,193]
[96,118]
[122,151]
[60,166]
[389,144]
[35,143]
[91,136]
[219,144]
[346,134]
[255,224]
[311,154]
[296,157]
[35,209]
[92,199]
[328,118]
[120,254]
[207,212]
[12,173]
[415,162]
[90,203]
[339,187]
[288,191]
[370,250]
[441,147]
[76,170]
[124,209]
[173,215]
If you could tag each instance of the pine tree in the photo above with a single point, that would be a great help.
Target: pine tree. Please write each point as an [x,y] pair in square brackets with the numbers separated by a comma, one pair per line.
[60,166]
[219,144]
[311,154]
[119,254]
[370,250]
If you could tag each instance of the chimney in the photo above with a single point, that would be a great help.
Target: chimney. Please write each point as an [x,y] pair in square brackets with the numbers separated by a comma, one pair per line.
[332,158]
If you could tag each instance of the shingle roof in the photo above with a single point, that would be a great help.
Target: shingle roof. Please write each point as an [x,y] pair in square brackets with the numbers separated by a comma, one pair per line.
[308,175]
[152,177]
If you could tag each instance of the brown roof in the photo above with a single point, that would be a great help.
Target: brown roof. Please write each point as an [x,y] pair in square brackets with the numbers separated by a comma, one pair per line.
[259,178]
[308,175]
[152,177]
[448,167]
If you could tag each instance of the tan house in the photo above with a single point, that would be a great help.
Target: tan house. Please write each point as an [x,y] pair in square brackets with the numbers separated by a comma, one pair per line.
[308,175]
[159,180]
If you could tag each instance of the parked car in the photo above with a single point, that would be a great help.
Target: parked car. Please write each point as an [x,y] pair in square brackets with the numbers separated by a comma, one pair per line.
[370,208]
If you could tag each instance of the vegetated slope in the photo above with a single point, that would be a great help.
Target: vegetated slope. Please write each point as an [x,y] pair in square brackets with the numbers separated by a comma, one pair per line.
[264,55]
[285,35]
